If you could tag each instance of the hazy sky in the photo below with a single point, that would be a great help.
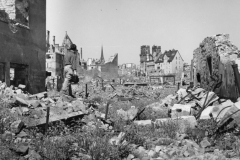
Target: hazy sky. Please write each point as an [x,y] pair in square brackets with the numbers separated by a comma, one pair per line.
[122,26]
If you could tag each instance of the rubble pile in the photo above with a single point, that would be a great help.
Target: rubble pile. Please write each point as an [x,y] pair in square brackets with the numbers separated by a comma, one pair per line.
[32,109]
[192,123]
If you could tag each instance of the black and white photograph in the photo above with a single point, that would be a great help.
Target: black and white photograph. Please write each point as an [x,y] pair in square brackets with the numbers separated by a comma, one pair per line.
[119,79]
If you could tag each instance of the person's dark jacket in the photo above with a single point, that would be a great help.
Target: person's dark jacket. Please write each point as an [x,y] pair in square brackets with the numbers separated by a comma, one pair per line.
[70,58]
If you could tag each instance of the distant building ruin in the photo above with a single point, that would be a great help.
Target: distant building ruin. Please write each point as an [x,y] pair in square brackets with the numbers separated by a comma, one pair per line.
[55,61]
[146,59]
[158,63]
[109,70]
[23,43]
[170,62]
[95,63]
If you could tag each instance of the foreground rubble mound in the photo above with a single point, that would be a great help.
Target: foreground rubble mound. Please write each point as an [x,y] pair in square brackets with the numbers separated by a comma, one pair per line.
[120,122]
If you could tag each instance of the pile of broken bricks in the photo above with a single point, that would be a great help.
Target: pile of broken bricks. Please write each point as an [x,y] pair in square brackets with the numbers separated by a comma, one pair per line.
[187,107]
[32,109]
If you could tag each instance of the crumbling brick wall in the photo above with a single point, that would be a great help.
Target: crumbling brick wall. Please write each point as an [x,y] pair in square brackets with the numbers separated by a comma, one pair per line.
[26,46]
[213,63]
[110,69]
[16,10]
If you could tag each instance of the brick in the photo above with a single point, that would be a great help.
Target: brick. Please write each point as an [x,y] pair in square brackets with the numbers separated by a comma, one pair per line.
[17,126]
[205,143]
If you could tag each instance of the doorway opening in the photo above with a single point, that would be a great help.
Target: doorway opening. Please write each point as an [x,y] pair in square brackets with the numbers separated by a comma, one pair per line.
[18,74]
[2,72]
[198,78]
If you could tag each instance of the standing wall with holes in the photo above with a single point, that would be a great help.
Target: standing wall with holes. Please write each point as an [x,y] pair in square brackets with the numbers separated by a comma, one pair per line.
[23,43]
[213,61]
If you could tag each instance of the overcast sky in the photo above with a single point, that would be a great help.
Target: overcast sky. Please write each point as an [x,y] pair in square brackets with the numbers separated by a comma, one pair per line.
[122,26]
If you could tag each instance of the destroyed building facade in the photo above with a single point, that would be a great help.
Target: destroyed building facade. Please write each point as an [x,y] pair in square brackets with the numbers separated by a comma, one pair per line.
[23,43]
[109,70]
[55,65]
[213,70]
[95,63]
[146,60]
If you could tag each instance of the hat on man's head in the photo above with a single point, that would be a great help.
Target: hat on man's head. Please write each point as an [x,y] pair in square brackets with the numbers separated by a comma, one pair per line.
[73,47]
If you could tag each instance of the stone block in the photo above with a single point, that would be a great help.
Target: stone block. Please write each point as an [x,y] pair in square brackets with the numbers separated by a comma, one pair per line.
[184,110]
[21,86]
[158,148]
[21,101]
[33,155]
[22,149]
[7,136]
[22,134]
[205,143]
[130,157]
[17,126]
[151,153]
[144,122]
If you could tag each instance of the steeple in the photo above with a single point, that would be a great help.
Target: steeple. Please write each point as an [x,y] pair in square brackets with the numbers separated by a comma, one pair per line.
[66,41]
[102,60]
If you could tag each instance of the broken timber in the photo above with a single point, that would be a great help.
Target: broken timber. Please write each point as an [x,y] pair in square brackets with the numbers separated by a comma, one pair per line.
[55,118]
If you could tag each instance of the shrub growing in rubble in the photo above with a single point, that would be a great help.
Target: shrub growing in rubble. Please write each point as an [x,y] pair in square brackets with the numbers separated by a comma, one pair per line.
[62,143]
[168,128]
[149,113]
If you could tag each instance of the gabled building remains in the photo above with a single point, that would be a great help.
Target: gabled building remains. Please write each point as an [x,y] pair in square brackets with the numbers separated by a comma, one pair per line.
[170,62]
[55,61]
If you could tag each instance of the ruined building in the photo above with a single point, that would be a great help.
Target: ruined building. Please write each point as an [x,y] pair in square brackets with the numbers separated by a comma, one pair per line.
[101,61]
[95,63]
[23,43]
[156,50]
[55,64]
[146,59]
[213,61]
[169,62]
[109,70]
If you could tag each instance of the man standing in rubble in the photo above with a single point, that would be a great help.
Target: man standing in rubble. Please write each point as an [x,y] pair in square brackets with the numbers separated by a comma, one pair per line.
[70,62]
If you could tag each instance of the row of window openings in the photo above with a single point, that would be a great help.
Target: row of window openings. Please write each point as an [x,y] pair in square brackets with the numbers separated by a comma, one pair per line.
[20,72]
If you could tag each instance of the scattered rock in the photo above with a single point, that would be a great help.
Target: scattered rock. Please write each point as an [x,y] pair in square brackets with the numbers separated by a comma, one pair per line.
[17,126]
[22,149]
[204,143]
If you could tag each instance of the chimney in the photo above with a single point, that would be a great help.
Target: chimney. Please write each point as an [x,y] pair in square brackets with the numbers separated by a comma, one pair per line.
[81,53]
[48,34]
[53,40]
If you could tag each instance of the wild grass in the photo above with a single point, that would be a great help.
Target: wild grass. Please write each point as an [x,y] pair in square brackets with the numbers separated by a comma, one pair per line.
[63,141]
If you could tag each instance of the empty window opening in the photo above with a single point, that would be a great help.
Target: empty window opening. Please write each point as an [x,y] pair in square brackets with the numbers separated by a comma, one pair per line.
[198,78]
[209,61]
[12,74]
[2,72]
[48,56]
